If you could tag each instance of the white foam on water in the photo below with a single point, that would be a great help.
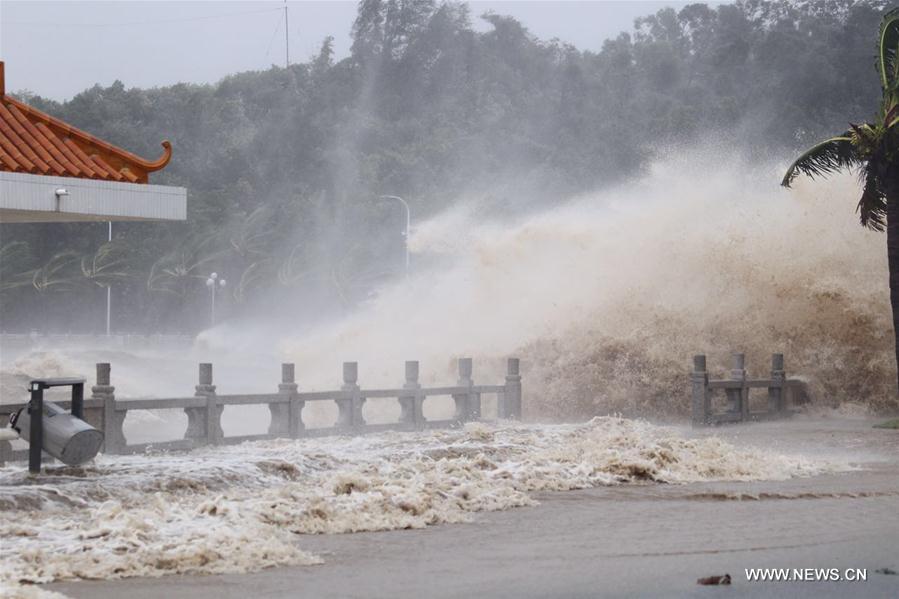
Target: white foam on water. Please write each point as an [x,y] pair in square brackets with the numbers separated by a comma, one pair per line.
[241,508]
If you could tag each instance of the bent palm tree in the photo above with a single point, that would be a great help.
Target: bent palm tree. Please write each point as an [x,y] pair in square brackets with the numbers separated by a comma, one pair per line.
[873,150]
[12,257]
[106,266]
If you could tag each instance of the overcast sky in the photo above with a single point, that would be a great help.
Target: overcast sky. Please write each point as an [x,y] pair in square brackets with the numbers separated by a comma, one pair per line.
[57,49]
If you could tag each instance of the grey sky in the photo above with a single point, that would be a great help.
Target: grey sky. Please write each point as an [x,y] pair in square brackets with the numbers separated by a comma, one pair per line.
[57,49]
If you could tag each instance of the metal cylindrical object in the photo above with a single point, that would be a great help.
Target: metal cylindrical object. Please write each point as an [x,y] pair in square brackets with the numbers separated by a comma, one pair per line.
[67,438]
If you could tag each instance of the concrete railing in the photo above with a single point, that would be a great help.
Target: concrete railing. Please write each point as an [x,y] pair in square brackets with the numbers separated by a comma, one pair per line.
[204,408]
[780,392]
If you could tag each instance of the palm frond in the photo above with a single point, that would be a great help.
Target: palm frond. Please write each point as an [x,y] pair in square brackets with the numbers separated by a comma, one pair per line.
[888,51]
[176,271]
[252,278]
[872,207]
[15,257]
[835,154]
[57,274]
[295,267]
[891,117]
[107,265]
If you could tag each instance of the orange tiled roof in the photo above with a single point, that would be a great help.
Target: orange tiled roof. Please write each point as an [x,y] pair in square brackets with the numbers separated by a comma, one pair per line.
[36,143]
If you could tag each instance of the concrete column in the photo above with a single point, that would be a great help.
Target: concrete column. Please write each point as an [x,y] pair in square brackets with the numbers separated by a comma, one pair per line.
[700,381]
[776,390]
[463,400]
[350,408]
[737,373]
[511,401]
[94,416]
[408,413]
[110,420]
[280,424]
[5,452]
[294,408]
[204,424]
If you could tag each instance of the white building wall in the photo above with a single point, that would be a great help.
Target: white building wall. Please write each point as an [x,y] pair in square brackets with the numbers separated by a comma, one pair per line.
[32,198]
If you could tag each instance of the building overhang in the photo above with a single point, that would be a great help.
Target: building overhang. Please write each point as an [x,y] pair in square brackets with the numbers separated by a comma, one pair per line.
[26,198]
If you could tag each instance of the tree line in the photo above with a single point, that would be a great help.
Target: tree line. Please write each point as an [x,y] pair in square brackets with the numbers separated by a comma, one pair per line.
[284,166]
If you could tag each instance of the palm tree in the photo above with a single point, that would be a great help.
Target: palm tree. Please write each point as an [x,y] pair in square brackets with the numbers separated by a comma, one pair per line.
[177,272]
[871,149]
[13,256]
[107,265]
[57,275]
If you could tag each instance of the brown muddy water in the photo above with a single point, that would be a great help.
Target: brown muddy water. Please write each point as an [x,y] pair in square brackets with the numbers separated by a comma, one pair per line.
[613,504]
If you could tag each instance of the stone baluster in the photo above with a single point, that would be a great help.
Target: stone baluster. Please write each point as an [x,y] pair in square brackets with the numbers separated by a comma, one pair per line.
[109,420]
[350,408]
[512,394]
[408,398]
[700,380]
[464,400]
[94,415]
[280,424]
[204,424]
[5,452]
[776,390]
[296,426]
[735,396]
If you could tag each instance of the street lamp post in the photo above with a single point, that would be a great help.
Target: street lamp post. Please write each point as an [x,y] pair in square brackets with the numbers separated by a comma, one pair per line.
[108,289]
[408,225]
[214,283]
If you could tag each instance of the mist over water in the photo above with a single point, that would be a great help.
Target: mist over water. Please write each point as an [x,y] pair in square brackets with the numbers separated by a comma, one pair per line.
[605,296]
[608,295]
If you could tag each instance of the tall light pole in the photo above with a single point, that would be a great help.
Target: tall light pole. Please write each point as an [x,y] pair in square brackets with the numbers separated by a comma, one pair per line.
[108,289]
[214,283]
[286,38]
[408,225]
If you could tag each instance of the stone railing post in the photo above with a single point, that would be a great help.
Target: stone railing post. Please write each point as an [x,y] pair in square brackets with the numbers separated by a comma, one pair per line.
[408,411]
[512,394]
[288,386]
[776,390]
[700,380]
[204,424]
[111,420]
[464,400]
[350,408]
[735,396]
[5,452]
[280,412]
[94,415]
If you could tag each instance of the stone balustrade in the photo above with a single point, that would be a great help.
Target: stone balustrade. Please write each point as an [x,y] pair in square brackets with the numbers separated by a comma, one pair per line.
[204,409]
[781,392]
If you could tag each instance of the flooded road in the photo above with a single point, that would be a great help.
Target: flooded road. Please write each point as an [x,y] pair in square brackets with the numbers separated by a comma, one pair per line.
[646,538]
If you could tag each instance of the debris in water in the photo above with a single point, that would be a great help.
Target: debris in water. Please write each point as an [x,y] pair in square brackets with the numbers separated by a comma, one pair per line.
[714,580]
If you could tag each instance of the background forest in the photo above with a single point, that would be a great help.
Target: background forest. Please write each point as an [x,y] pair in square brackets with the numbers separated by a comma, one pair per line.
[284,167]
